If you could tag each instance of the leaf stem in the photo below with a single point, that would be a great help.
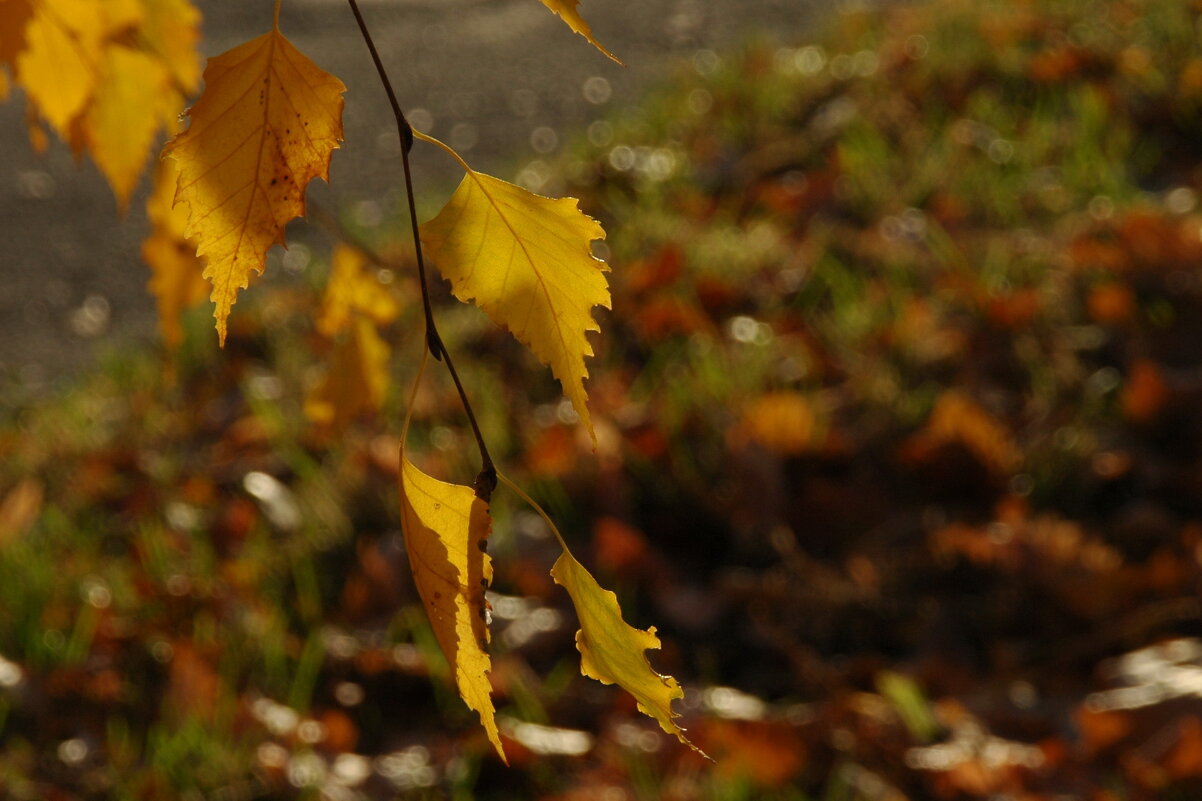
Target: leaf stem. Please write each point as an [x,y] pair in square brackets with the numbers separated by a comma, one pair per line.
[486,480]
[507,481]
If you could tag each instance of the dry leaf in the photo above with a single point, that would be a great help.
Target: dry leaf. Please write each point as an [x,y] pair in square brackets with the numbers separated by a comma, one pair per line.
[611,651]
[106,76]
[446,529]
[59,66]
[171,29]
[566,9]
[357,380]
[20,507]
[267,123]
[1145,392]
[133,97]
[781,422]
[355,302]
[526,261]
[353,290]
[957,418]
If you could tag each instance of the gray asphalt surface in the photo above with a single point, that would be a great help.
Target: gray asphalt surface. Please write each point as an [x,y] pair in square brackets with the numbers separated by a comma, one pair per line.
[485,74]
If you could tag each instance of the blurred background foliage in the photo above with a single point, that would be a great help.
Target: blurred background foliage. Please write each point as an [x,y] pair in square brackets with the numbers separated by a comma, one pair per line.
[898,447]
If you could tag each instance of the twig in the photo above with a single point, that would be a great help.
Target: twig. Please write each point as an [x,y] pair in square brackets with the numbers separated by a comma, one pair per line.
[486,480]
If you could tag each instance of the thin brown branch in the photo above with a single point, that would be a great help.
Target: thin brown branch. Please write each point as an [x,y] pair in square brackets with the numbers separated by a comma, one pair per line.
[486,480]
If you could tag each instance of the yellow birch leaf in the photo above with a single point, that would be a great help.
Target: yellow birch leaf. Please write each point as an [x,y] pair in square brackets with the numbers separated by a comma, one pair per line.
[526,261]
[121,122]
[611,651]
[566,9]
[353,290]
[267,123]
[357,380]
[172,30]
[446,528]
[177,281]
[59,65]
[121,16]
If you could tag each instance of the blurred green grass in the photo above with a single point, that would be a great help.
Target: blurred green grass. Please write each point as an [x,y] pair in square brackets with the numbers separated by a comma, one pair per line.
[898,409]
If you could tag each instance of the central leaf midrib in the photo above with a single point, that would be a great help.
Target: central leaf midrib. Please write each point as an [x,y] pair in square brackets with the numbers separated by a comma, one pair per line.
[542,284]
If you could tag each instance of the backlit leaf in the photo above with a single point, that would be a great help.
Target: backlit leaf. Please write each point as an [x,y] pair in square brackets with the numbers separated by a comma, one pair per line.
[105,75]
[132,98]
[353,290]
[177,280]
[357,380]
[446,528]
[611,651]
[171,29]
[59,65]
[267,123]
[526,261]
[566,9]
[121,15]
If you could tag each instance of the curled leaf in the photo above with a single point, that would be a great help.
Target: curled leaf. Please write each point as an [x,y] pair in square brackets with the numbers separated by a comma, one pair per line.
[526,261]
[446,528]
[566,9]
[611,651]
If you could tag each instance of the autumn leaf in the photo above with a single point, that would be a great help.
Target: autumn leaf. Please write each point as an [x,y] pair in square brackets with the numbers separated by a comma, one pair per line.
[611,651]
[171,29]
[59,62]
[446,527]
[177,280]
[957,418]
[526,261]
[132,99]
[781,422]
[120,16]
[353,290]
[354,304]
[105,76]
[357,380]
[267,123]
[566,9]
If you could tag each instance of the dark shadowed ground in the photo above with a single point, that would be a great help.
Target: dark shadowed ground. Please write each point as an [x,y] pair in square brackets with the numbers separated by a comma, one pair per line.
[502,80]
